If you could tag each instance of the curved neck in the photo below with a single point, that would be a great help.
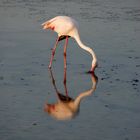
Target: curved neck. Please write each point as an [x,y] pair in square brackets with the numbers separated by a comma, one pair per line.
[88,92]
[81,96]
[88,49]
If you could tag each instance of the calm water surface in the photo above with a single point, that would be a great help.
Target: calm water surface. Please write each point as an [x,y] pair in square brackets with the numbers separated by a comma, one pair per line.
[111,28]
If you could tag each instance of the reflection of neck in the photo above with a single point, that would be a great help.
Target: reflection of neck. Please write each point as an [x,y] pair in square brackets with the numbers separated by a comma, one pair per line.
[86,93]
[81,96]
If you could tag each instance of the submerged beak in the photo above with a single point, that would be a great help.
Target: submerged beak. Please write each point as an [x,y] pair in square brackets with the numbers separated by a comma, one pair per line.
[93,69]
[91,72]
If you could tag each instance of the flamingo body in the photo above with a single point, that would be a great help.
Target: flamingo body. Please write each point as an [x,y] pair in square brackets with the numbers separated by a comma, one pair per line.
[65,107]
[63,25]
[67,27]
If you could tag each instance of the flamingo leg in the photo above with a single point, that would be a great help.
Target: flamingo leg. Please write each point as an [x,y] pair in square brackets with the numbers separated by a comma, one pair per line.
[53,52]
[65,49]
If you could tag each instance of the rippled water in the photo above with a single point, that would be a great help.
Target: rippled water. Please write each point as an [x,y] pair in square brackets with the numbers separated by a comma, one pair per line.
[111,28]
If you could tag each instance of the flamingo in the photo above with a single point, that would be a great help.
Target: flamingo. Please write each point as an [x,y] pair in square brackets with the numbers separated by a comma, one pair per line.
[66,108]
[67,27]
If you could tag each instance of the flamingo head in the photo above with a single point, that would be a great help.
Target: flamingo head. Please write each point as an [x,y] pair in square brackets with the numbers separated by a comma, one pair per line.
[94,66]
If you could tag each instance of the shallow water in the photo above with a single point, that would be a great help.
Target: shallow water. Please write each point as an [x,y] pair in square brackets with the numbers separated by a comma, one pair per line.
[111,28]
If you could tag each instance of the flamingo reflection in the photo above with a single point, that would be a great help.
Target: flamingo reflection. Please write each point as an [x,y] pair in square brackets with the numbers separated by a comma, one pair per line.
[66,107]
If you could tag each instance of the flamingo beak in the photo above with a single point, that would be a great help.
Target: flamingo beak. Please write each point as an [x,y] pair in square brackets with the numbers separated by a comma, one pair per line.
[91,71]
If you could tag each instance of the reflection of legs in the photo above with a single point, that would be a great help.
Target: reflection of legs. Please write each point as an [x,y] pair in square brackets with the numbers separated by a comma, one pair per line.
[59,95]
[53,52]
[53,81]
[65,49]
[65,78]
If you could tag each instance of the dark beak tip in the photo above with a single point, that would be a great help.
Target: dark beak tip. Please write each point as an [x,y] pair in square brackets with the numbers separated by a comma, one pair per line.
[90,72]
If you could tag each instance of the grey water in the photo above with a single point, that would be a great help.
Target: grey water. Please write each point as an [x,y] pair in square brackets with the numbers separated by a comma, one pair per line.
[111,28]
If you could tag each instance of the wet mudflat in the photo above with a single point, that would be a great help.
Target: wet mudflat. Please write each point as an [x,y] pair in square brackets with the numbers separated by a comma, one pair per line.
[111,28]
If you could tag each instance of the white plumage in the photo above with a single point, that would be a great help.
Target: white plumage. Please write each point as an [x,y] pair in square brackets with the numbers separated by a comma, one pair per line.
[67,27]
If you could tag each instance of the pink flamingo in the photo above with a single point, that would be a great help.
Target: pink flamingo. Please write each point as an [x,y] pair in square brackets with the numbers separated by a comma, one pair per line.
[66,108]
[67,27]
